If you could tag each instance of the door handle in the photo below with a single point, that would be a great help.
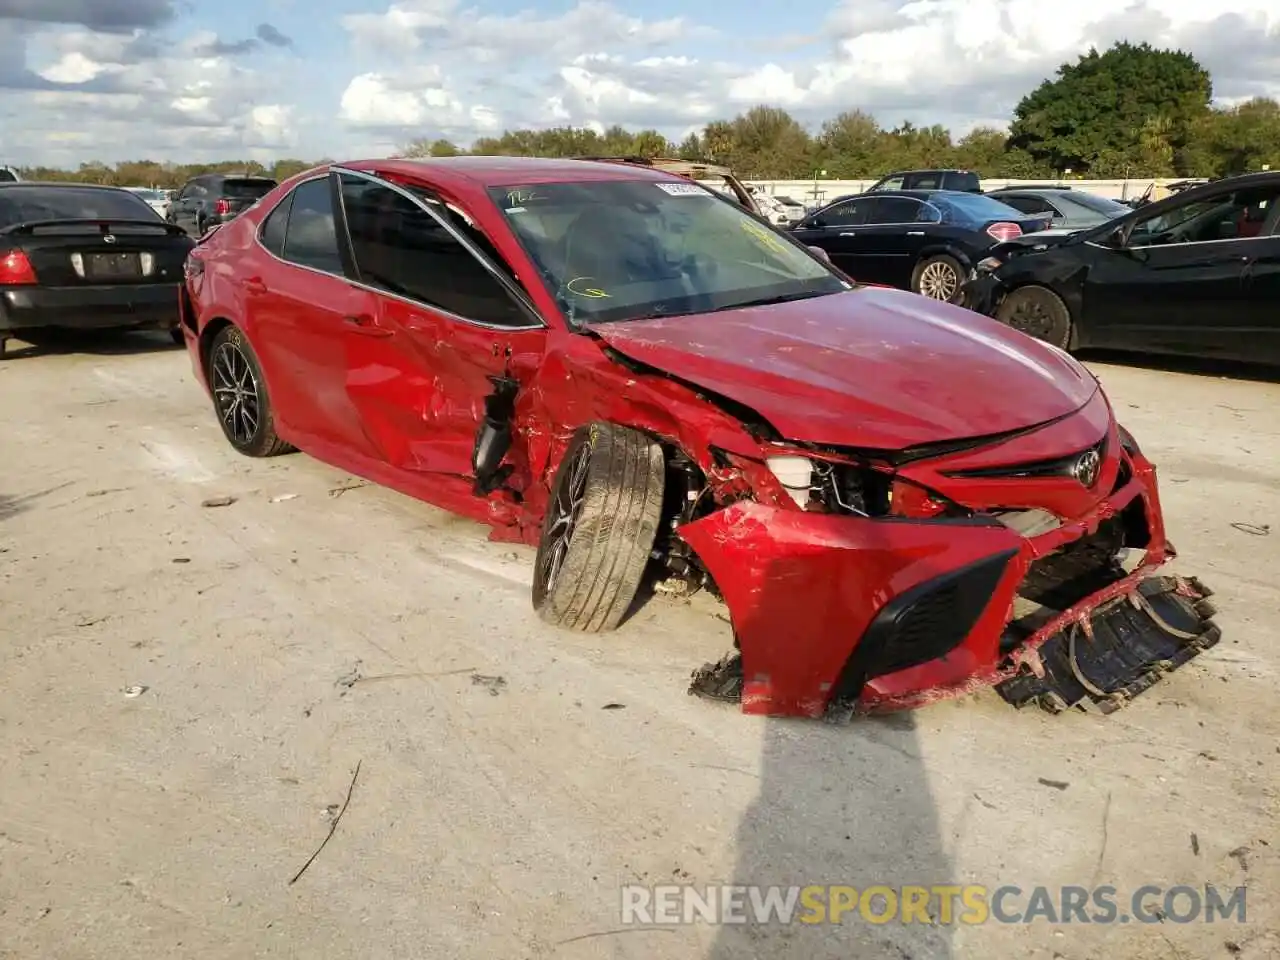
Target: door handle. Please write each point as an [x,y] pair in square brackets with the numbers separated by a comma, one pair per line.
[915,233]
[848,233]
[255,285]
[364,325]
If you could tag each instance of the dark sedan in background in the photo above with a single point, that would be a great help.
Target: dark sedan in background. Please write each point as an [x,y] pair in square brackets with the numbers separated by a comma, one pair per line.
[81,256]
[1196,274]
[1070,209]
[922,240]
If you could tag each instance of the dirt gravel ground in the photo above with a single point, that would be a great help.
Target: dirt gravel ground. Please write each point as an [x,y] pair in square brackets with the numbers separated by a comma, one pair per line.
[497,818]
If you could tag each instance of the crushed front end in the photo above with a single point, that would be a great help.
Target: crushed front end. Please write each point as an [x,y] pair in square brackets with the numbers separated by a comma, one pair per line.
[860,581]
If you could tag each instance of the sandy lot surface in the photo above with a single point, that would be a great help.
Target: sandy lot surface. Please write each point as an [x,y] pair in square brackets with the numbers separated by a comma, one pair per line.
[497,819]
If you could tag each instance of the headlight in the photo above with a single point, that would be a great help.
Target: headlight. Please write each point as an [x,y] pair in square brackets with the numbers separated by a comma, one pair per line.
[796,476]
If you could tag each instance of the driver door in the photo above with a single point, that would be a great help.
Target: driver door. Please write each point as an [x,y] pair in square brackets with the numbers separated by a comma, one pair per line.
[837,230]
[446,321]
[1179,280]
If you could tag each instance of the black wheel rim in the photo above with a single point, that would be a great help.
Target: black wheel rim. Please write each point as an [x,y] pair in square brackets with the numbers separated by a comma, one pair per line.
[1029,316]
[235,393]
[563,513]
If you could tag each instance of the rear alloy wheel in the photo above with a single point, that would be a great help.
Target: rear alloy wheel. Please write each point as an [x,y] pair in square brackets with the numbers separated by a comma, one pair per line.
[240,396]
[1037,312]
[937,278]
[600,526]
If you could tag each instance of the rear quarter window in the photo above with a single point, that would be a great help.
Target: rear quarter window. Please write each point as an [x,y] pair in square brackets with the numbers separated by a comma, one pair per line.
[968,182]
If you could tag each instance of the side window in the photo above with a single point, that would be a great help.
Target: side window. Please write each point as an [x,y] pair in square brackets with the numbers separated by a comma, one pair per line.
[1027,204]
[895,210]
[402,249]
[851,213]
[1236,216]
[893,183]
[311,239]
[274,227]
[925,181]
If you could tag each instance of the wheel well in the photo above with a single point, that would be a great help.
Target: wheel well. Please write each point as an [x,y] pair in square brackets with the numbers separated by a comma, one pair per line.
[956,255]
[211,330]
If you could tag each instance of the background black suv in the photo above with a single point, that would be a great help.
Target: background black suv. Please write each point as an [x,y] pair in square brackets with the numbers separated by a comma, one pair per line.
[215,198]
[965,181]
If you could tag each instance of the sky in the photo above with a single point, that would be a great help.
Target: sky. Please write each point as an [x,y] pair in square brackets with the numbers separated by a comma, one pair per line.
[192,80]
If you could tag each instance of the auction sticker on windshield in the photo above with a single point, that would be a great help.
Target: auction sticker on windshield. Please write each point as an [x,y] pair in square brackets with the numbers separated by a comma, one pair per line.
[683,189]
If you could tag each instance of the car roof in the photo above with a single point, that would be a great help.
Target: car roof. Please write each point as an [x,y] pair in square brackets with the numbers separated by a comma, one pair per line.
[61,184]
[501,171]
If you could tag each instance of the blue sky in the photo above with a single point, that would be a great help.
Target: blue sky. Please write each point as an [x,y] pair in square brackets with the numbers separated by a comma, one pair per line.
[203,79]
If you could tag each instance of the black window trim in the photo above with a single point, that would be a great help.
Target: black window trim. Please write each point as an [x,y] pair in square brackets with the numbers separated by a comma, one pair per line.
[520,297]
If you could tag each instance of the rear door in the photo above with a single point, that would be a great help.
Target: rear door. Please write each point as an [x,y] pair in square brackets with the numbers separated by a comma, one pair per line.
[302,311]
[1258,337]
[450,316]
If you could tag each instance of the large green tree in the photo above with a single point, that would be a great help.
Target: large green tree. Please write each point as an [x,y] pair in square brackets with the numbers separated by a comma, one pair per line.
[1133,106]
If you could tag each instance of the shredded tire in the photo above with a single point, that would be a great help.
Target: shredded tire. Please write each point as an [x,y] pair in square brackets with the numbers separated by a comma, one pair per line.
[590,583]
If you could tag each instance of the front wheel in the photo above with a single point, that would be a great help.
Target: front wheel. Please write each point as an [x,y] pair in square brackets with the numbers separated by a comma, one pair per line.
[240,396]
[938,278]
[600,526]
[1037,312]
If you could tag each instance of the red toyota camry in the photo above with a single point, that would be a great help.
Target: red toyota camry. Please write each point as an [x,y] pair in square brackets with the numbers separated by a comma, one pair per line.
[897,499]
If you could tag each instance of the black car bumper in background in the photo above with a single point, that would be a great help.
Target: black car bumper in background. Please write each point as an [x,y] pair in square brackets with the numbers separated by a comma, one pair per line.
[90,307]
[980,293]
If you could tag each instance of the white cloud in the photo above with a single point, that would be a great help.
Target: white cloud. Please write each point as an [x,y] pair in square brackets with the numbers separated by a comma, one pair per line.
[137,82]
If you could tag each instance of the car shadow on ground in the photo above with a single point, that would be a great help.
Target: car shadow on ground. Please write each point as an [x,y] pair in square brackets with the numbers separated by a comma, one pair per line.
[11,506]
[1196,366]
[96,342]
[848,806]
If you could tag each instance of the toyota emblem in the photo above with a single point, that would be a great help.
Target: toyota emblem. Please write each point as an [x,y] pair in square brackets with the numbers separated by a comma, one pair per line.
[109,238]
[1086,468]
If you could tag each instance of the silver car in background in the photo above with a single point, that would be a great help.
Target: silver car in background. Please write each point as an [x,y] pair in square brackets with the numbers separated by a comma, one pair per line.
[1070,209]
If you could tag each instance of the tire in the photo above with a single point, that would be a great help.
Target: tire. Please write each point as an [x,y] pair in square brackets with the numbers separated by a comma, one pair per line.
[236,377]
[601,522]
[938,278]
[176,335]
[1037,312]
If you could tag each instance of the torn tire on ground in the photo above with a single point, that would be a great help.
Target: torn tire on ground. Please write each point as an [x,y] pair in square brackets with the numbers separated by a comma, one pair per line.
[599,529]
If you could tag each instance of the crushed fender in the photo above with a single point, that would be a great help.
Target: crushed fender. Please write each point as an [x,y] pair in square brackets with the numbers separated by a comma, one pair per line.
[1123,648]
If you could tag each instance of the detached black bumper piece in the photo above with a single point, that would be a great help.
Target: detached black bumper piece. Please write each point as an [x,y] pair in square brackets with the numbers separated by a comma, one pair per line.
[1129,645]
[90,307]
[981,294]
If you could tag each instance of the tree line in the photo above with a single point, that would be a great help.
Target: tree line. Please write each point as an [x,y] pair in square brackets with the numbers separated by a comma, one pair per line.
[1133,111]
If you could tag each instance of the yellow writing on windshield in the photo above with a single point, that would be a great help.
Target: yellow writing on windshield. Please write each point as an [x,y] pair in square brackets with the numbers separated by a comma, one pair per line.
[763,236]
[580,287]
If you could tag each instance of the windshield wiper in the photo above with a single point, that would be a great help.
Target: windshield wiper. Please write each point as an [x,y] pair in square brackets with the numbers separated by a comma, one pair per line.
[769,301]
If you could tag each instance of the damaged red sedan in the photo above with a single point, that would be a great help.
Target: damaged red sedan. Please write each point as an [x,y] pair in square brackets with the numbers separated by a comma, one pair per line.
[898,500]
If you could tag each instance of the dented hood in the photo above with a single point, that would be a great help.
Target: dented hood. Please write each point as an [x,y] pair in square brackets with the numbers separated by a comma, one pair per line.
[872,368]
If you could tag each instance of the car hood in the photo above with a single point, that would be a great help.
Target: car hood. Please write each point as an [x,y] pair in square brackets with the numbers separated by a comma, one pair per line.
[871,368]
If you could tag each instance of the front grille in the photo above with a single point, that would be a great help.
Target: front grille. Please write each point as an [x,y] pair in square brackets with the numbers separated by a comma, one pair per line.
[1057,467]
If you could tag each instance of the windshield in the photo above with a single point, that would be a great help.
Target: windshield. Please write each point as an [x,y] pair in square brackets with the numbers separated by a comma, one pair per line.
[627,249]
[1097,204]
[975,206]
[247,189]
[23,204]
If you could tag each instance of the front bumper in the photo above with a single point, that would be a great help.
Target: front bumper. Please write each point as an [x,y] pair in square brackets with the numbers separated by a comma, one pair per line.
[90,307]
[980,293]
[840,613]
